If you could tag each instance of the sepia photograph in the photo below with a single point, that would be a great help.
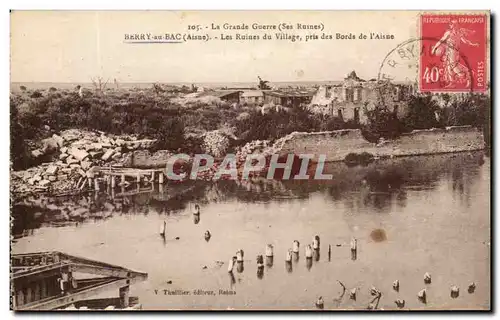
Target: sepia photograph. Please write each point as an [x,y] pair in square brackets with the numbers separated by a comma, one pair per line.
[250,160]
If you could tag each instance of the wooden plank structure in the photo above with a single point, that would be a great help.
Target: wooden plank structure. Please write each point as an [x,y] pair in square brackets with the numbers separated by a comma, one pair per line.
[44,280]
[114,177]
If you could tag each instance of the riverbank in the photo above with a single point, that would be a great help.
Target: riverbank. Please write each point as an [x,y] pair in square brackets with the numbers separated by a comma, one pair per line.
[383,176]
[68,158]
[79,157]
[337,145]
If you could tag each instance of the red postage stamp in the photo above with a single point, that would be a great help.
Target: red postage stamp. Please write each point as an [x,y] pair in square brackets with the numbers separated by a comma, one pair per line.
[453,57]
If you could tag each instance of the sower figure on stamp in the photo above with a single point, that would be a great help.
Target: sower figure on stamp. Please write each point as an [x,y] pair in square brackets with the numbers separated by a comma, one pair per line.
[454,71]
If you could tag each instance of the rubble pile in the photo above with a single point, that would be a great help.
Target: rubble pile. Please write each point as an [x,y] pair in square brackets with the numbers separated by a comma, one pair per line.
[263,147]
[216,143]
[75,153]
[78,157]
[253,147]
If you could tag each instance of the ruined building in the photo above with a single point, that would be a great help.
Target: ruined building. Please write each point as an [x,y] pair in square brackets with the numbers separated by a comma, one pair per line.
[353,97]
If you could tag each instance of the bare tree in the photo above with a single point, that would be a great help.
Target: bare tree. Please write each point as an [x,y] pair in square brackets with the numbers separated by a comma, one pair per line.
[99,84]
[158,89]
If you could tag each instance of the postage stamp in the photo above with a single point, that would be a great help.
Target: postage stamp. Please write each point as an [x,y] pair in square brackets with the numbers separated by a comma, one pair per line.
[453,56]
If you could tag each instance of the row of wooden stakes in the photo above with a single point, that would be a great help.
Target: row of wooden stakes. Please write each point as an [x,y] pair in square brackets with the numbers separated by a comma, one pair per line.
[400,303]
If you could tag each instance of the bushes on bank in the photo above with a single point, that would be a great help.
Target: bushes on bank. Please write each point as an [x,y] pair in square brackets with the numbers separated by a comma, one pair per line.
[382,124]
[151,115]
[277,124]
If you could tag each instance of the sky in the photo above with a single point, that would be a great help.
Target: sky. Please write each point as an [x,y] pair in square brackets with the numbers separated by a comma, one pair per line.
[76,46]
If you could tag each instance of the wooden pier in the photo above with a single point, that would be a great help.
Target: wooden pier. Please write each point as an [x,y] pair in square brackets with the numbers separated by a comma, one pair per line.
[117,177]
[47,281]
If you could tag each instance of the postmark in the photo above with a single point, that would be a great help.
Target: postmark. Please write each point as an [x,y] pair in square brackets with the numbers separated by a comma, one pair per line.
[402,67]
[454,48]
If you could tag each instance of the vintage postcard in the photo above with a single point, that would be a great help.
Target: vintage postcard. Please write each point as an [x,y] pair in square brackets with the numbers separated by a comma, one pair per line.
[250,160]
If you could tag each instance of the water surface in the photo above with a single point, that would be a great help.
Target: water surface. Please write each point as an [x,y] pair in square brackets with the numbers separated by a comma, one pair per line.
[410,216]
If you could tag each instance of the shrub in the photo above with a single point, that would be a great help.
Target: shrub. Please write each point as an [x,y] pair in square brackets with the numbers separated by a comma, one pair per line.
[19,153]
[275,124]
[381,124]
[421,113]
[354,159]
[36,94]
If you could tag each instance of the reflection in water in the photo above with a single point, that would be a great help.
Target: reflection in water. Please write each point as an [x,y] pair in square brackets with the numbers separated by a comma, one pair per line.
[354,255]
[374,188]
[316,255]
[239,267]
[387,194]
[269,261]
[309,263]
[232,280]
[260,273]
[401,198]
[196,218]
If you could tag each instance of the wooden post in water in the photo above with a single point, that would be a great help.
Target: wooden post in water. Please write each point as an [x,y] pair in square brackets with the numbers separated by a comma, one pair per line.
[124,296]
[354,249]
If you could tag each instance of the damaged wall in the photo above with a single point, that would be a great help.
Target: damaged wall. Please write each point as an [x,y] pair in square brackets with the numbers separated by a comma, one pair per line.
[337,144]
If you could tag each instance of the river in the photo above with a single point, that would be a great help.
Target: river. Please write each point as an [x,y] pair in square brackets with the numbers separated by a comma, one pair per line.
[410,216]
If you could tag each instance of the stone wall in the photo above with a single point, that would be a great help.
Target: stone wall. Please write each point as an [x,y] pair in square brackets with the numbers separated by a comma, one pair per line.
[337,144]
[145,160]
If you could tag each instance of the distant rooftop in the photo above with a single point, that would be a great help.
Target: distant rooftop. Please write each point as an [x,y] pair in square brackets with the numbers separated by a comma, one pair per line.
[252,93]
[218,93]
[290,93]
